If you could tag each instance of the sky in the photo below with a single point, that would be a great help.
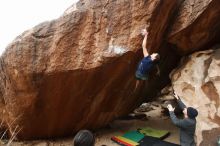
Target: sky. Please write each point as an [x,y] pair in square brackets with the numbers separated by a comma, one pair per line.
[19,15]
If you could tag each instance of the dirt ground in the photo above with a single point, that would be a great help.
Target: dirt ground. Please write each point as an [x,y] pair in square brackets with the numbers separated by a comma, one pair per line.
[104,136]
[152,118]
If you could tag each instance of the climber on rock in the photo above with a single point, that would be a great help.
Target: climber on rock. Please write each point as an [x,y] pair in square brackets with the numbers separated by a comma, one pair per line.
[147,63]
[187,125]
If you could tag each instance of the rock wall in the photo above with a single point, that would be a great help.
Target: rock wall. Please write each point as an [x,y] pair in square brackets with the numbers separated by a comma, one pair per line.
[78,71]
[197,82]
[197,26]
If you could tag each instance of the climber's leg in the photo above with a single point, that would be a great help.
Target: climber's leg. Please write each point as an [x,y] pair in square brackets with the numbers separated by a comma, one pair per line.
[139,80]
[137,84]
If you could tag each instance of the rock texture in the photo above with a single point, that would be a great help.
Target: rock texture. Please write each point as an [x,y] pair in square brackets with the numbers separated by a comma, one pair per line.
[197,82]
[78,71]
[196,26]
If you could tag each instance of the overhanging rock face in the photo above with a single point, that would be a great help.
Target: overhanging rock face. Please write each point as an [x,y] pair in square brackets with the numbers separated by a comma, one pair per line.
[77,71]
[196,26]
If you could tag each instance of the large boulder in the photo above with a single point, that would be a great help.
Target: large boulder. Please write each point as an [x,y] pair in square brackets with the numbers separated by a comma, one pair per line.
[196,26]
[78,71]
[197,82]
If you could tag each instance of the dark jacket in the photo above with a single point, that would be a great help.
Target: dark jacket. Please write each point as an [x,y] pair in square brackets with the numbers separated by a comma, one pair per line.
[145,65]
[187,127]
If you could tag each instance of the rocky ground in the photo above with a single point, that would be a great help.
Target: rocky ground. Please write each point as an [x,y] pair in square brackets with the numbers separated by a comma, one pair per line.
[147,115]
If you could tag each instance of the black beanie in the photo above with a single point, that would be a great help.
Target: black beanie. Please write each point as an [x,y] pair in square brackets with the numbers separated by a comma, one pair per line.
[191,112]
[84,138]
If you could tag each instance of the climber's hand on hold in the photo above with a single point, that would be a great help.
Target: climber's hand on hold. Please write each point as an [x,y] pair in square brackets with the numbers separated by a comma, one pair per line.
[170,108]
[144,32]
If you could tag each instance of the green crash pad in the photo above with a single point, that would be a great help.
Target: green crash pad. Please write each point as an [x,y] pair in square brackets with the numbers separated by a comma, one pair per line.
[134,136]
[153,132]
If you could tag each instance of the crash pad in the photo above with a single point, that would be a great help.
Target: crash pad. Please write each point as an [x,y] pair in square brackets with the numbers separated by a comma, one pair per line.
[152,141]
[147,131]
[134,136]
[124,141]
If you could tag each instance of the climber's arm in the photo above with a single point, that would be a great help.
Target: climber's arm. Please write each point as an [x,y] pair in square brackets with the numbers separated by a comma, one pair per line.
[144,44]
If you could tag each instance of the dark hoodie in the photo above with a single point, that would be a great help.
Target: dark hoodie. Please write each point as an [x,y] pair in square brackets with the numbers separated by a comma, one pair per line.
[187,127]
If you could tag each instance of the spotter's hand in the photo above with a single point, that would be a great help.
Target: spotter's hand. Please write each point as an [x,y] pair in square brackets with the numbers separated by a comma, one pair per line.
[176,96]
[170,108]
